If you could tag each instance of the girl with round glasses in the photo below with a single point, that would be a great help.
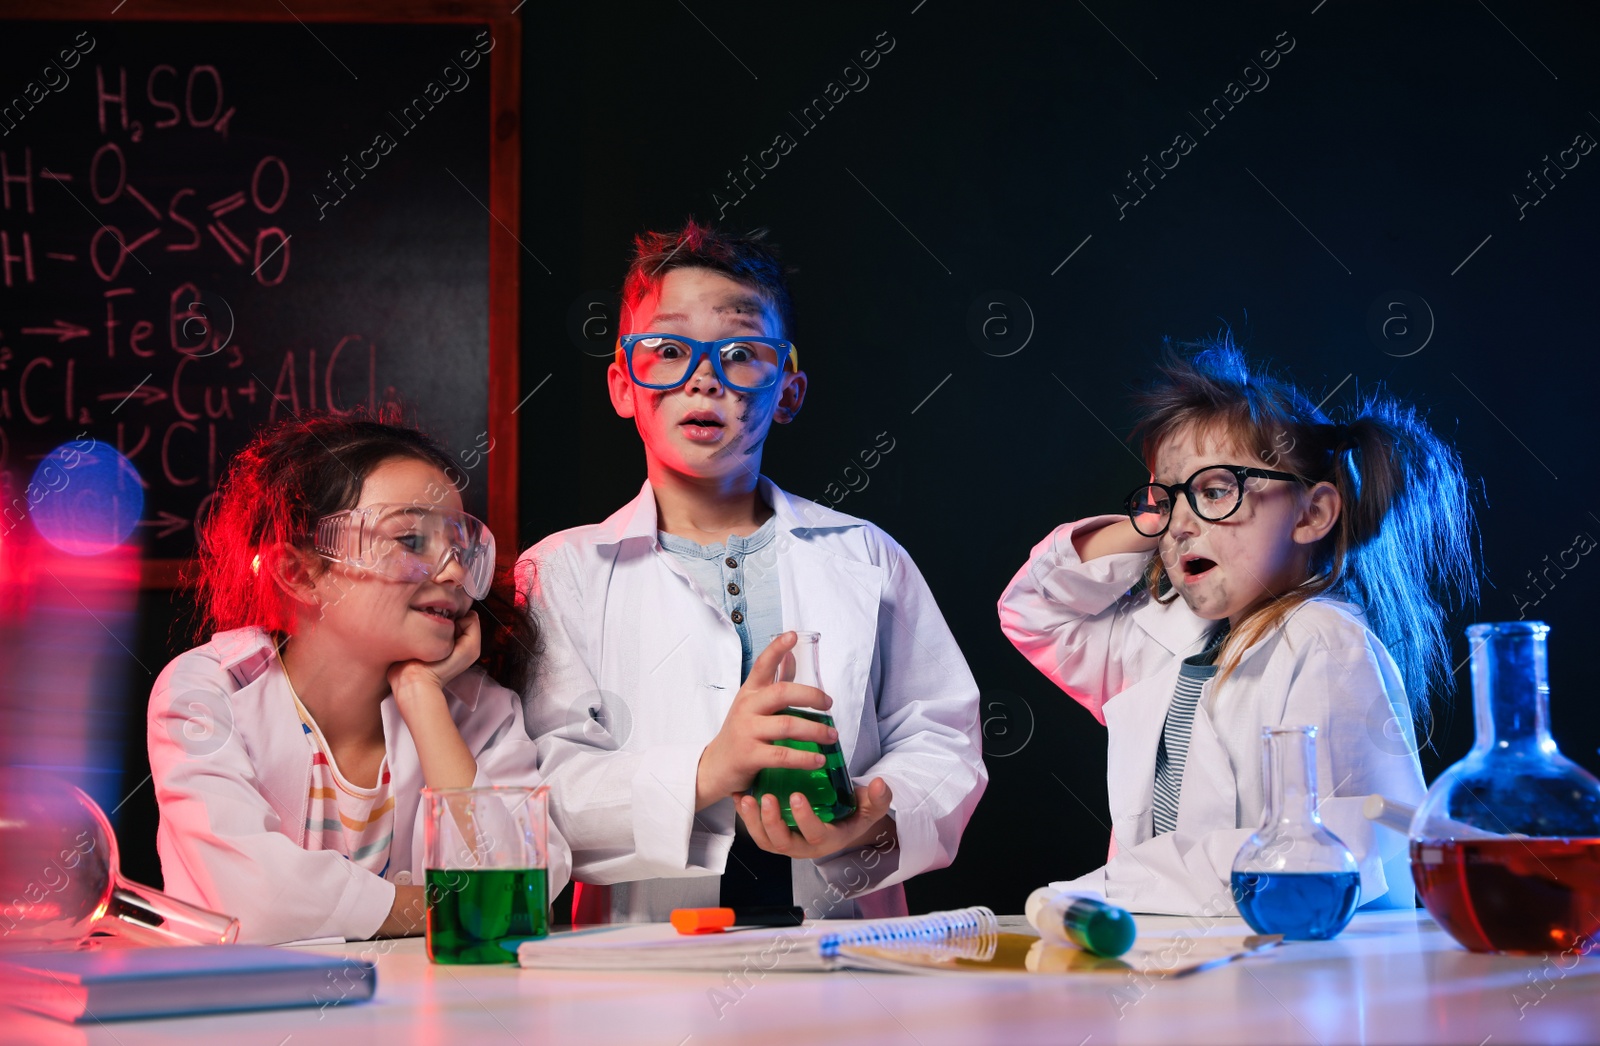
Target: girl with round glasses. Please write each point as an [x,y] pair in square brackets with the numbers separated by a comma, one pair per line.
[1278,569]
[359,650]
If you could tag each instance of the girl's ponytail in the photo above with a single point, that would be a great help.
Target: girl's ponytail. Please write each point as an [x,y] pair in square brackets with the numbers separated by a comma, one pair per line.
[1367,492]
[1404,537]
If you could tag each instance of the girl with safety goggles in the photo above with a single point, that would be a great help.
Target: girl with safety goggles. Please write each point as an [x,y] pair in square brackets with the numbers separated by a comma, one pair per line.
[354,622]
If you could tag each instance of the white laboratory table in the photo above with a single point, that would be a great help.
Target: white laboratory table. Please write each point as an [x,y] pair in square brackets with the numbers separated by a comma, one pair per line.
[1391,977]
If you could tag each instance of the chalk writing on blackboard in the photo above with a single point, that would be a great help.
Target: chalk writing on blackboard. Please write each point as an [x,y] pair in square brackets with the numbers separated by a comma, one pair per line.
[166,285]
[175,343]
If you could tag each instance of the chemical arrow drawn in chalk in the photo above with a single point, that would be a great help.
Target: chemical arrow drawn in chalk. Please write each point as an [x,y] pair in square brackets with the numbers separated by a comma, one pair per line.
[62,331]
[169,523]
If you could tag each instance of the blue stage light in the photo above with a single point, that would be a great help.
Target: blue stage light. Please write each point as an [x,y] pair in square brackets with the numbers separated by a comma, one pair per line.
[85,498]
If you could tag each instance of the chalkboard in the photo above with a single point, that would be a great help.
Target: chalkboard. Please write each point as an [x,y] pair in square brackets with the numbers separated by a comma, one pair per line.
[210,224]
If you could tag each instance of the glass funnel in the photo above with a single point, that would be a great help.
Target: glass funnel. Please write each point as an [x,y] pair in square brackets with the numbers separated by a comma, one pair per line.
[1505,848]
[1293,876]
[59,878]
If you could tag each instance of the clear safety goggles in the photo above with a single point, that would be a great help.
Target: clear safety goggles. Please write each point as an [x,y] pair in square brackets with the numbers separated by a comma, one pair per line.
[410,543]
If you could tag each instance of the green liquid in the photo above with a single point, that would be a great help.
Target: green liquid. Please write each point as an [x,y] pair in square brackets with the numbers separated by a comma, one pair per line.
[480,916]
[828,788]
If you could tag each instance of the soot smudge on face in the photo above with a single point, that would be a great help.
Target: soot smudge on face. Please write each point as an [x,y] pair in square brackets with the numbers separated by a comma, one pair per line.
[746,409]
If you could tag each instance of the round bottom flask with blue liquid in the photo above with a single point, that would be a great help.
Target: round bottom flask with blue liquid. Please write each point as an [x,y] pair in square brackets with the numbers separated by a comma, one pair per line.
[1293,876]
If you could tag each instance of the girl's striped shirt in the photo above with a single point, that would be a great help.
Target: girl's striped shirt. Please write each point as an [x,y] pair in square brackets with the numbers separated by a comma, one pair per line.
[354,821]
[1173,751]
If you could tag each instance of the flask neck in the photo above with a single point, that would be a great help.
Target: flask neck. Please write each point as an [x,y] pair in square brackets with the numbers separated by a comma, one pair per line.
[1290,766]
[1510,689]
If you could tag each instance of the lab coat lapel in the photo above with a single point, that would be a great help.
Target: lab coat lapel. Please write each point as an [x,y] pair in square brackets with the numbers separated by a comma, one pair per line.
[1134,721]
[1210,794]
[1225,750]
[691,658]
[839,598]
[264,712]
[405,778]
[667,644]
[1179,630]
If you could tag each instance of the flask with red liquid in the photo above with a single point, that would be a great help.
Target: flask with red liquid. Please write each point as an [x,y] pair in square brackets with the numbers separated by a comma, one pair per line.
[1505,849]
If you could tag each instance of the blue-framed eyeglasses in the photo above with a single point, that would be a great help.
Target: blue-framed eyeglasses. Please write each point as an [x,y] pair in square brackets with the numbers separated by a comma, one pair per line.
[665,361]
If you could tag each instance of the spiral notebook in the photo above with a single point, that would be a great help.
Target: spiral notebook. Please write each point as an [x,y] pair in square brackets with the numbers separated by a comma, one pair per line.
[900,944]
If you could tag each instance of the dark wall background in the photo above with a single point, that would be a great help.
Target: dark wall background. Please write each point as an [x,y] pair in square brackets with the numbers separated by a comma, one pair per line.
[1377,164]
[984,149]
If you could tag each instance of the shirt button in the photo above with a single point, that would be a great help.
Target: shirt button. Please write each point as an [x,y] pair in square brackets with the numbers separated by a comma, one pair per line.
[732,563]
[402,878]
[738,618]
[733,590]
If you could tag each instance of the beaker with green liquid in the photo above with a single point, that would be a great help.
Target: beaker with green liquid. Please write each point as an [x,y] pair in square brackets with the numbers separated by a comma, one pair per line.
[828,788]
[487,862]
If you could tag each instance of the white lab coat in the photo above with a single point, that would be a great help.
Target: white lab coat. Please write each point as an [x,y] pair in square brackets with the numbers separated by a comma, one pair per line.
[638,670]
[1118,655]
[232,774]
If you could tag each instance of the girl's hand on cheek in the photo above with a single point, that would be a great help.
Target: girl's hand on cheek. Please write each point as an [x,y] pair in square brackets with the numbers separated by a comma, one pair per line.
[418,688]
[406,677]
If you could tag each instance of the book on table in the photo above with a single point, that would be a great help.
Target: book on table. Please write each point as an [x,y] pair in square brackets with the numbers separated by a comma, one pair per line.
[118,983]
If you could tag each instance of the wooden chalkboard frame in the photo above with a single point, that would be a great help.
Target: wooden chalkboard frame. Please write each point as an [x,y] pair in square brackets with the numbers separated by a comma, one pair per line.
[505,184]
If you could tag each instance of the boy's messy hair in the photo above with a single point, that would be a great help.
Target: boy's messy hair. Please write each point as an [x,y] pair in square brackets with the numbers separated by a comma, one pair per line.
[749,259]
[1402,548]
[291,475]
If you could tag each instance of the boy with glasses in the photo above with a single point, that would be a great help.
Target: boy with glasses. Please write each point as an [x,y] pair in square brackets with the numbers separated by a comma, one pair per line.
[655,706]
